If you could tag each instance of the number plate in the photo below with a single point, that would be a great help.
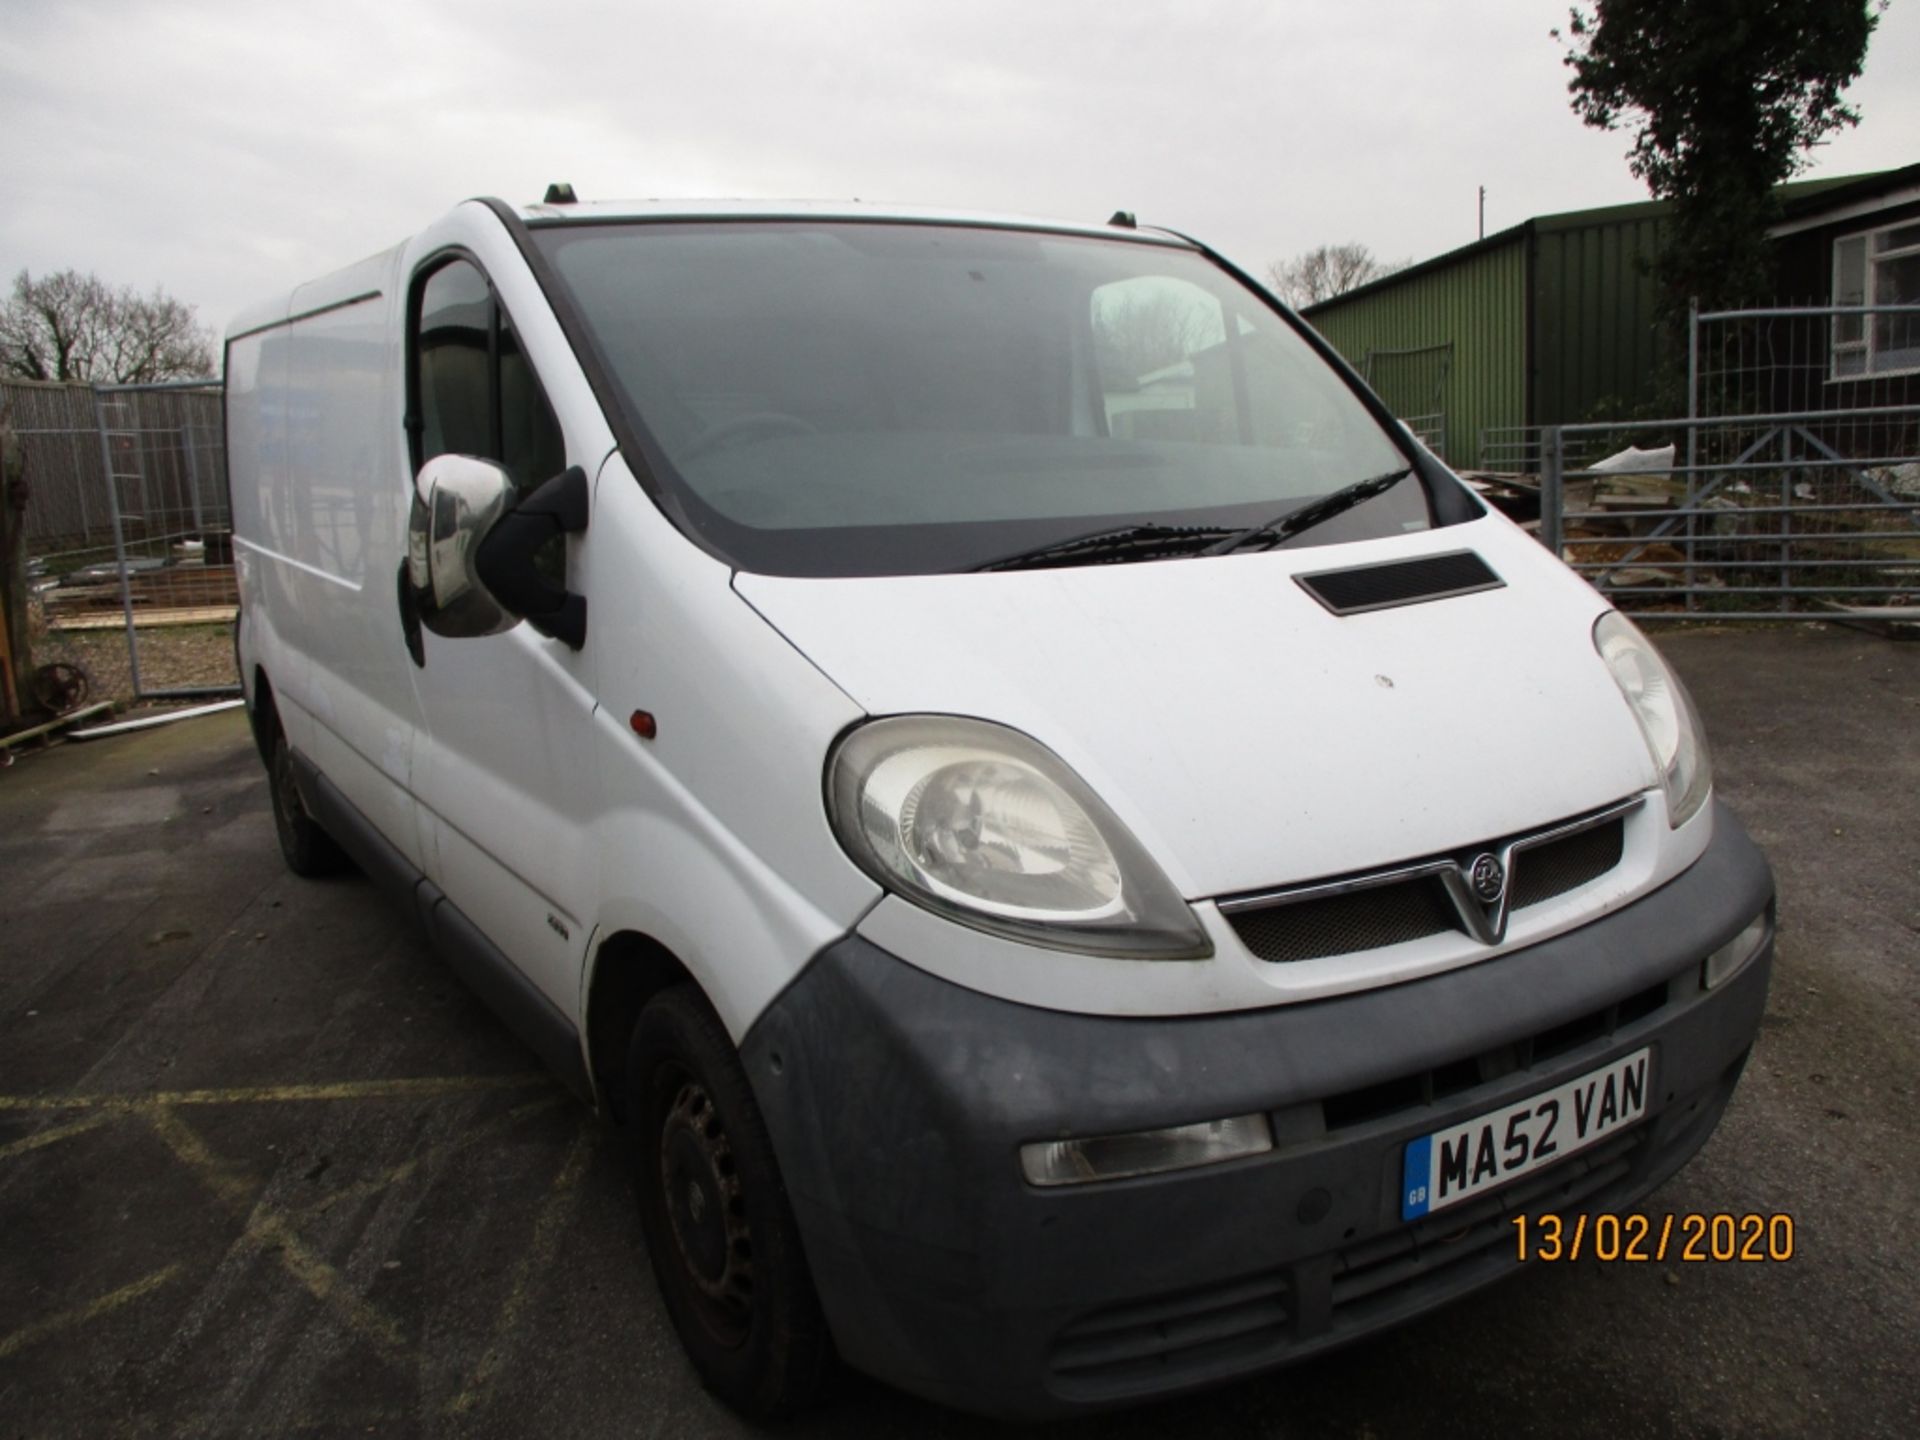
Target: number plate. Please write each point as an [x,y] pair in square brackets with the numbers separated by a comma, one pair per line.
[1462,1161]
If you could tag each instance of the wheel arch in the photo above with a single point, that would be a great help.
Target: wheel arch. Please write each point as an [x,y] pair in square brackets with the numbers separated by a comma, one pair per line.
[262,717]
[629,969]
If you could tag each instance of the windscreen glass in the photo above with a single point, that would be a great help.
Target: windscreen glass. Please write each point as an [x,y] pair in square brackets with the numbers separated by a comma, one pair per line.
[850,398]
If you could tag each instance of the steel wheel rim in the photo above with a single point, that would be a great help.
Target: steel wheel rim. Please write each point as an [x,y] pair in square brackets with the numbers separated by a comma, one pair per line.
[706,1211]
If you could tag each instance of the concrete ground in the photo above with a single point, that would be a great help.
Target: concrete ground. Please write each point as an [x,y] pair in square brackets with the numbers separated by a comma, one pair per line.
[266,1169]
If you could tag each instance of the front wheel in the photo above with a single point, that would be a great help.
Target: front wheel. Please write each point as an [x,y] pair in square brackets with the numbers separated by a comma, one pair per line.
[720,1233]
[307,849]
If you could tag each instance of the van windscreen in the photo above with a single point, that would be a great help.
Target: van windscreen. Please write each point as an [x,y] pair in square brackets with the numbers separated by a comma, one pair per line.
[853,398]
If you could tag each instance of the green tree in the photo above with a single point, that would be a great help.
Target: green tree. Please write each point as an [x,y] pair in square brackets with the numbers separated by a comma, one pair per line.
[1725,98]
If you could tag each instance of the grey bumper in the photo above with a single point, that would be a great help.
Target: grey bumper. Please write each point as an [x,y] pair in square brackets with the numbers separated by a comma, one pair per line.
[897,1103]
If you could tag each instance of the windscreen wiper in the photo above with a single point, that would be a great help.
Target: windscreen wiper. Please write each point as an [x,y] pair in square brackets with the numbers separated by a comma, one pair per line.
[1285,526]
[1128,542]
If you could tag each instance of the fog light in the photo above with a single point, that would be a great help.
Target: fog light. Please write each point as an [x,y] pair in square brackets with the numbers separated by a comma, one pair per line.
[1146,1152]
[1728,959]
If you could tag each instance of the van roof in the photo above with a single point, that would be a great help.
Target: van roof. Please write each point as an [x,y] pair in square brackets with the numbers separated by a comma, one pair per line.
[591,211]
[366,274]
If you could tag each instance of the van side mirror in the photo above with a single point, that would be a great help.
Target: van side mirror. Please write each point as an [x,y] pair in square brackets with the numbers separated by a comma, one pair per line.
[456,501]
[470,550]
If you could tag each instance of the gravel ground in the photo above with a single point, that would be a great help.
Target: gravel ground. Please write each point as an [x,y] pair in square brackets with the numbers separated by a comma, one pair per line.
[170,656]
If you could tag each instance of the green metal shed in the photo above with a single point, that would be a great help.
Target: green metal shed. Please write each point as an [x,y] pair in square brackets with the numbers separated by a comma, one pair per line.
[1540,324]
[1549,323]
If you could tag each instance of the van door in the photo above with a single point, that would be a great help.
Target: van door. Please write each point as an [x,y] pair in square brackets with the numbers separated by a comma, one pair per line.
[504,772]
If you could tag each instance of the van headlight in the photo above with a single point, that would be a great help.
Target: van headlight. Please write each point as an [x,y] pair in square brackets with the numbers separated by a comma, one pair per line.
[1665,712]
[986,826]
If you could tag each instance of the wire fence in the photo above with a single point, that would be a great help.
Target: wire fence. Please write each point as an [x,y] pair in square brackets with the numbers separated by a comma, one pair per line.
[1862,358]
[131,591]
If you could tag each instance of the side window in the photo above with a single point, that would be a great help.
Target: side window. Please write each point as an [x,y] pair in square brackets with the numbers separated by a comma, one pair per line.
[475,392]
[451,351]
[530,443]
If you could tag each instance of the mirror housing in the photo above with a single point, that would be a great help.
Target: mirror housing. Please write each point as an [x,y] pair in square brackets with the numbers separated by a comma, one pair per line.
[471,547]
[457,500]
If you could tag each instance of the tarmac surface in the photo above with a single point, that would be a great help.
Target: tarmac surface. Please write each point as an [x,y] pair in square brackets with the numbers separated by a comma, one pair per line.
[267,1169]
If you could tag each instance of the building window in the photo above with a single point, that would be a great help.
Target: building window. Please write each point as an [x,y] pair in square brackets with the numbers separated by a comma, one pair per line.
[1881,267]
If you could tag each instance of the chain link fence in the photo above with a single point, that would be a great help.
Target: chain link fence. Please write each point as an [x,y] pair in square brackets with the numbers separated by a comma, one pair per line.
[131,592]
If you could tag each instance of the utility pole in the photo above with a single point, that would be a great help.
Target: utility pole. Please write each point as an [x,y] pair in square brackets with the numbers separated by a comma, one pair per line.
[1483,212]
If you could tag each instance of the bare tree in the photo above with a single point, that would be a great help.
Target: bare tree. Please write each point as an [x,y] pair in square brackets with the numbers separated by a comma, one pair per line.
[1143,330]
[75,327]
[1326,271]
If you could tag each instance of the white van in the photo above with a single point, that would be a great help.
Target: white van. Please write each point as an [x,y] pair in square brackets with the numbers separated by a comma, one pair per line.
[1087,861]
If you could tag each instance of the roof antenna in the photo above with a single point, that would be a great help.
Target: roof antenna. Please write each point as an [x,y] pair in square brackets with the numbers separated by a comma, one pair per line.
[1124,219]
[560,193]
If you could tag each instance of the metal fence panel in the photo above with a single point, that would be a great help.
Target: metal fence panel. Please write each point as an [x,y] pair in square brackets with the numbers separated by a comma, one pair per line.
[1791,490]
[132,594]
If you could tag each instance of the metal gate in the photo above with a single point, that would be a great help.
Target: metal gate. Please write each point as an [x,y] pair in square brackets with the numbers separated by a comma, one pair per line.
[1753,517]
[1791,489]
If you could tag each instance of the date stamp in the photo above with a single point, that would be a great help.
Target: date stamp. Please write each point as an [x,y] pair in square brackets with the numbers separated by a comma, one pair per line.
[1690,1238]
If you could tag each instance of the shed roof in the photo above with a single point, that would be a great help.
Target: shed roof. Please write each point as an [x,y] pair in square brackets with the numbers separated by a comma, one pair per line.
[1798,198]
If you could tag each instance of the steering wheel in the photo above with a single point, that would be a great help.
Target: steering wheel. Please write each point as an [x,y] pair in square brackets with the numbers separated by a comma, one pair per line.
[758,423]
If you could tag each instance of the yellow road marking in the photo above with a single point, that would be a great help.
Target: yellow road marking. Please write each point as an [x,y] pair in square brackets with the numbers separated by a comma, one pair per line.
[52,1136]
[403,1089]
[267,1229]
[433,1155]
[67,1320]
[535,1259]
[271,1229]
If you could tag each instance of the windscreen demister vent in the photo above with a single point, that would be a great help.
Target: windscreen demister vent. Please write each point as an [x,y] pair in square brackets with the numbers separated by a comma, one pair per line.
[1400,582]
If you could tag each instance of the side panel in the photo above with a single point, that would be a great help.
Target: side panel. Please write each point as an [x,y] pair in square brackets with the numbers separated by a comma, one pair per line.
[256,384]
[712,837]
[345,518]
[505,772]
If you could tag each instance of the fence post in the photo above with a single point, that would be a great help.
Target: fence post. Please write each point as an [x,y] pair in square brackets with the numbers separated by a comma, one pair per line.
[119,542]
[193,470]
[16,638]
[1693,439]
[1552,496]
[1693,373]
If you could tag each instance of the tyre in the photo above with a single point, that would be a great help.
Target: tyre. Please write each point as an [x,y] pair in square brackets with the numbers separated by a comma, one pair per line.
[720,1232]
[308,849]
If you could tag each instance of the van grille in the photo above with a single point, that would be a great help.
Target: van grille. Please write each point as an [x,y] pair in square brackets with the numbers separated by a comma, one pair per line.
[1185,1334]
[1380,1271]
[1348,923]
[1566,864]
[1371,916]
[1390,1098]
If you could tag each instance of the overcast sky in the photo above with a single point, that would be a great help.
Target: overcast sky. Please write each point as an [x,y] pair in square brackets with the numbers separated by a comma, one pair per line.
[228,149]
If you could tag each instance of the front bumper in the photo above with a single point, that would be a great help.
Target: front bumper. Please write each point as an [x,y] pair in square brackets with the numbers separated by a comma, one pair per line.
[898,1102]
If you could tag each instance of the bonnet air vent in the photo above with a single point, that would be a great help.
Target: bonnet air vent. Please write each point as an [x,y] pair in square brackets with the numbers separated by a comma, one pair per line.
[1400,582]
